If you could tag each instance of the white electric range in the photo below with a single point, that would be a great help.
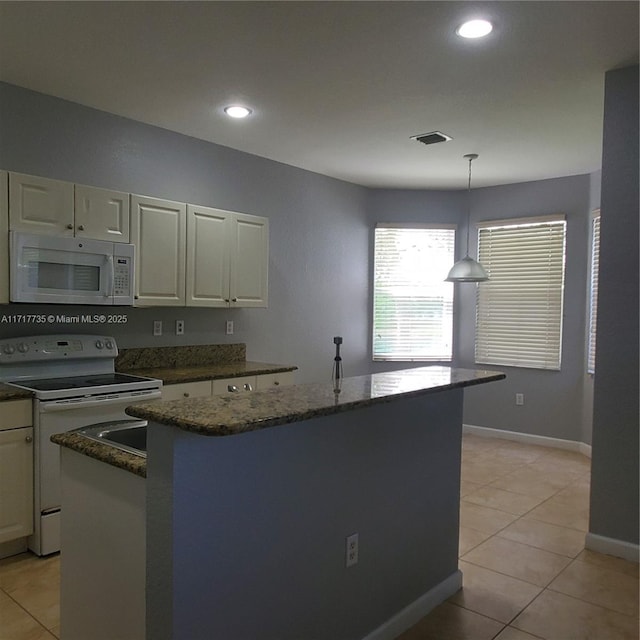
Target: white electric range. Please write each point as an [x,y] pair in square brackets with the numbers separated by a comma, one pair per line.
[74,384]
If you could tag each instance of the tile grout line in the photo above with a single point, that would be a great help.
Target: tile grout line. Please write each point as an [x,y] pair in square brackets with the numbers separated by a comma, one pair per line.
[29,613]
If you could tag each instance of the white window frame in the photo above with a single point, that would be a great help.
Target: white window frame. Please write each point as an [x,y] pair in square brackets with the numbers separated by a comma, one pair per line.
[594,268]
[519,310]
[405,343]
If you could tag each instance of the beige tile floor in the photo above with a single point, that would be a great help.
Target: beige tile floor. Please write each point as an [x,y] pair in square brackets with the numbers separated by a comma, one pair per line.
[523,518]
[527,576]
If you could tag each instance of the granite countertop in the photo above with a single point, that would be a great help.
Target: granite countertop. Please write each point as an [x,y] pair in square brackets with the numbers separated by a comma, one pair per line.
[103,452]
[232,414]
[238,413]
[195,373]
[8,392]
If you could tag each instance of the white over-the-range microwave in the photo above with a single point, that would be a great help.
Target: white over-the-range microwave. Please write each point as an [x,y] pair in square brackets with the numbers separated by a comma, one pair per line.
[59,270]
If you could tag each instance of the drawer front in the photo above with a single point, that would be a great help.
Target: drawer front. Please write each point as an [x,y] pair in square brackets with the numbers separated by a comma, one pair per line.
[234,385]
[274,380]
[15,413]
[186,390]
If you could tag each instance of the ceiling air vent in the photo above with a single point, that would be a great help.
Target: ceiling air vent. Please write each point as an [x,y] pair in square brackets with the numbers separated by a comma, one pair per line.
[432,138]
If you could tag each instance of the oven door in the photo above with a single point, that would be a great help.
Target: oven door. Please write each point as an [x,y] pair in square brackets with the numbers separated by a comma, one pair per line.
[56,416]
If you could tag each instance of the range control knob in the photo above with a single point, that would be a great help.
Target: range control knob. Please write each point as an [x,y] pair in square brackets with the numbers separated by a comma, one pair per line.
[9,349]
[108,344]
[23,347]
[99,344]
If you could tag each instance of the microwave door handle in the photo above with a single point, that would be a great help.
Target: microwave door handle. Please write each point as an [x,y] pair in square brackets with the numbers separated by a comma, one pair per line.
[111,275]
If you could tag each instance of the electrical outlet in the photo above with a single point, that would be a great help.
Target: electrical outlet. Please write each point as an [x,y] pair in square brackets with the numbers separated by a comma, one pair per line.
[519,399]
[351,550]
[179,327]
[157,327]
[229,327]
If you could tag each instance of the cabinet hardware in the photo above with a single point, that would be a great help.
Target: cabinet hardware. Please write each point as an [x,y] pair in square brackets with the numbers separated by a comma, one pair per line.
[80,227]
[247,387]
[69,226]
[29,439]
[233,388]
[186,394]
[276,382]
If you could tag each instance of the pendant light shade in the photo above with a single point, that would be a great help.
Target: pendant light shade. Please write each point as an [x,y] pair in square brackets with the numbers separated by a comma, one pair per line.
[468,269]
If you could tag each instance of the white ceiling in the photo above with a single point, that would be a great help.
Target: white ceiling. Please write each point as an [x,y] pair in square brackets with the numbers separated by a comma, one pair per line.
[339,87]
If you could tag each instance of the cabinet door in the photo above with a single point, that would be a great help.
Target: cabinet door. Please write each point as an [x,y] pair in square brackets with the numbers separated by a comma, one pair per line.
[4,237]
[249,261]
[158,229]
[186,390]
[40,205]
[274,380]
[101,214]
[234,385]
[207,257]
[16,483]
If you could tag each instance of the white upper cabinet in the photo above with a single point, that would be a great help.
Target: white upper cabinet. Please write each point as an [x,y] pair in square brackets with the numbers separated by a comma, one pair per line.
[227,258]
[42,205]
[158,231]
[4,237]
[208,234]
[101,214]
[249,261]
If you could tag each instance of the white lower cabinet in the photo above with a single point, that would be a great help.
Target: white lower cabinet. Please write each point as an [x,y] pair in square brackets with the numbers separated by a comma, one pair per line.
[186,390]
[240,384]
[16,470]
[234,385]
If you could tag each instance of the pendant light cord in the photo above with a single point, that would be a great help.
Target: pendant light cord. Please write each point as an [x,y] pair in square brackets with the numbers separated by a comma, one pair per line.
[469,205]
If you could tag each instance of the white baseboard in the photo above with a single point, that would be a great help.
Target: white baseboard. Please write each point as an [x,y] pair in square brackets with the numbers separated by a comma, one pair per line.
[612,547]
[419,608]
[528,438]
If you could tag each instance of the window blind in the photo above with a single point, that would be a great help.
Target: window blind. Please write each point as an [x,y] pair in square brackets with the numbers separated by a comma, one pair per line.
[412,305]
[519,310]
[593,291]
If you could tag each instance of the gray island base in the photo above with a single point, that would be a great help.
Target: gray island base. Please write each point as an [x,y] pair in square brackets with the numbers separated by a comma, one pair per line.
[246,534]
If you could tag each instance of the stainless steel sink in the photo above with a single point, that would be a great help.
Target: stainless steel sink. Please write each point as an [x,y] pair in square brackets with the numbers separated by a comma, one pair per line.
[126,435]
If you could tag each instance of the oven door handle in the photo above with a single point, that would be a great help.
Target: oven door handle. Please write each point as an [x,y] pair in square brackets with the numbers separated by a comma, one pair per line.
[57,405]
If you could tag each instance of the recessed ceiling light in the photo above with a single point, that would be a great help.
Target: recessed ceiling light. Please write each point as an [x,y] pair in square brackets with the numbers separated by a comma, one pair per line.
[237,111]
[474,29]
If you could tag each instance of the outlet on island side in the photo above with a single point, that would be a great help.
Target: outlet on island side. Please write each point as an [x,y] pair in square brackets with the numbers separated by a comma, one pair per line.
[519,399]
[351,550]
[157,327]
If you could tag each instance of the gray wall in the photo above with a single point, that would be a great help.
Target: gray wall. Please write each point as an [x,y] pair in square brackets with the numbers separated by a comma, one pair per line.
[614,473]
[553,399]
[318,284]
[267,558]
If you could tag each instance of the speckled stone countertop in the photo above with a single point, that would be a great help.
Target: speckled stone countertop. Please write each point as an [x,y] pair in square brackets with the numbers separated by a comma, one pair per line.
[194,373]
[231,414]
[238,413]
[103,452]
[193,363]
[12,393]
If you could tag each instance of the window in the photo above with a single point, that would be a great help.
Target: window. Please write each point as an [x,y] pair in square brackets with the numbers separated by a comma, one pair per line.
[519,310]
[412,304]
[593,290]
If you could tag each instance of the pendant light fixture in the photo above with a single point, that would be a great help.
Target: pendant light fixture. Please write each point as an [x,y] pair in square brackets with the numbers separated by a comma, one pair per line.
[467,269]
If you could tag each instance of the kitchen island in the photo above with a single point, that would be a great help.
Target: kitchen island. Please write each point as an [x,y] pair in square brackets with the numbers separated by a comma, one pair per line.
[249,500]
